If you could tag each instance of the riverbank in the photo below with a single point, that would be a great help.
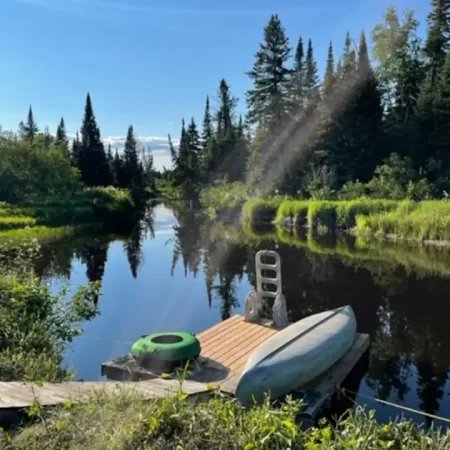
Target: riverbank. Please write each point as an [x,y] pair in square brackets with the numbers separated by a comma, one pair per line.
[427,221]
[129,421]
[59,217]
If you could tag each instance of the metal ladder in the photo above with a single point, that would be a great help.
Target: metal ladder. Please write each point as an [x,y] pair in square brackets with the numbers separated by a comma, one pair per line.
[255,300]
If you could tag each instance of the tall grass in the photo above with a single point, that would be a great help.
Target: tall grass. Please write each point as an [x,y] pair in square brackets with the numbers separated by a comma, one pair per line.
[11,222]
[428,220]
[294,210]
[41,233]
[127,421]
[260,210]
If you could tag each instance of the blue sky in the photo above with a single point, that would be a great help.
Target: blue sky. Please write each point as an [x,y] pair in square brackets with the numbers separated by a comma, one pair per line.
[151,62]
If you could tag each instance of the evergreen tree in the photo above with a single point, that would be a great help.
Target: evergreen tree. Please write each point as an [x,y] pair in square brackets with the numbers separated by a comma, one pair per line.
[61,137]
[118,171]
[29,129]
[133,177]
[208,130]
[297,87]
[348,59]
[268,100]
[92,160]
[311,77]
[437,43]
[76,148]
[330,77]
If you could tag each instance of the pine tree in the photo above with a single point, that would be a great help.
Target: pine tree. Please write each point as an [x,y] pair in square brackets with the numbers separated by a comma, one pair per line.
[29,129]
[348,59]
[225,113]
[118,171]
[311,77]
[269,99]
[330,77]
[76,148]
[208,130]
[297,87]
[61,137]
[437,43]
[92,157]
[131,167]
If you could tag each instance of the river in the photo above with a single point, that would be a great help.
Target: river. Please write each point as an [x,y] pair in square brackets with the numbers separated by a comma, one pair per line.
[176,271]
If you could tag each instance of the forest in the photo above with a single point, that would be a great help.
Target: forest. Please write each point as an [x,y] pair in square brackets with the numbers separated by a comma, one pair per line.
[375,125]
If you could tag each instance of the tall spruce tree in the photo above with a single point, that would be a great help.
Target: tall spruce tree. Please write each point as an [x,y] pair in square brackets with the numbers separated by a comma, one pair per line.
[348,59]
[133,177]
[92,160]
[297,86]
[330,77]
[311,77]
[269,99]
[438,37]
[61,137]
[207,132]
[29,129]
[76,148]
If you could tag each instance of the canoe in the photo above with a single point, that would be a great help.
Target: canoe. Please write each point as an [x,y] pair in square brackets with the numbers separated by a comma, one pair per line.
[297,354]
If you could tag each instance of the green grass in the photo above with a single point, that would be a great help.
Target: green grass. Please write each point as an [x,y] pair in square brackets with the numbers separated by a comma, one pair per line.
[12,222]
[127,421]
[294,210]
[428,220]
[260,210]
[41,233]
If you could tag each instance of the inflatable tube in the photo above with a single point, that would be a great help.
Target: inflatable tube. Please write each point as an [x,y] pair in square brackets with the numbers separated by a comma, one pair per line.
[170,347]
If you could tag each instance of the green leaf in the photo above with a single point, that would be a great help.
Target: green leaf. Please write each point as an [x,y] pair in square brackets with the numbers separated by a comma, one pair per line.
[249,446]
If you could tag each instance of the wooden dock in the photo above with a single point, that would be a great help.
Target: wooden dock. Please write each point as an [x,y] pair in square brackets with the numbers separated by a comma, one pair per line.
[225,349]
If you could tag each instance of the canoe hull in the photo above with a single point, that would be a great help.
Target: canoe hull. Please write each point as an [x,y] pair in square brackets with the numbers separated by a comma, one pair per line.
[296,355]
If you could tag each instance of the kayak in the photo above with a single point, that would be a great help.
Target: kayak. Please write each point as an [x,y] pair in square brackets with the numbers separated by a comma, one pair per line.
[296,355]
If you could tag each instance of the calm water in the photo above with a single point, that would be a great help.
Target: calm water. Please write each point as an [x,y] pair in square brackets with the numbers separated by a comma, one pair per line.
[177,272]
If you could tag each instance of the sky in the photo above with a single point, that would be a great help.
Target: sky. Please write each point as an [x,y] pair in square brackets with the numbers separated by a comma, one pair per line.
[151,62]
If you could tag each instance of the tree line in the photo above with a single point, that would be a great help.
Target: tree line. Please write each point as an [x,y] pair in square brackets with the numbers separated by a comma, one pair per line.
[84,159]
[376,122]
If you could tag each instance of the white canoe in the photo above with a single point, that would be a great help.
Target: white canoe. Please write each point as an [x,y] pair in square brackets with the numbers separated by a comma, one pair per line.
[296,355]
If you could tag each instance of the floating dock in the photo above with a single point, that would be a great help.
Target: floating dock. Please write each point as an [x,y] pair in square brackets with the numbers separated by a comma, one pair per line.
[225,349]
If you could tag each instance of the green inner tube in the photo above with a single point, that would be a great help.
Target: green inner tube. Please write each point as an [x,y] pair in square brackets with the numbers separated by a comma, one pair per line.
[167,347]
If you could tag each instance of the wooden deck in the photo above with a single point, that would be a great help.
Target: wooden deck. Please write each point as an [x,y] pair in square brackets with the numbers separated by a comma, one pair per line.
[225,349]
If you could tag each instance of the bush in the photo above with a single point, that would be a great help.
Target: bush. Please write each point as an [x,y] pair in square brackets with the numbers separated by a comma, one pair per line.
[229,195]
[29,172]
[35,324]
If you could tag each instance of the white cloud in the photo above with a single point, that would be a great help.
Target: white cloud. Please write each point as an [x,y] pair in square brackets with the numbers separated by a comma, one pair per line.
[156,143]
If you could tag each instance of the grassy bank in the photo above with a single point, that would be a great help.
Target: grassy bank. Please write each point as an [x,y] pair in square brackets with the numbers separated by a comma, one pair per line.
[427,220]
[128,421]
[58,217]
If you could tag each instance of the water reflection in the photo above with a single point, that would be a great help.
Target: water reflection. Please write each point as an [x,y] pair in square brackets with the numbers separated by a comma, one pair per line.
[399,293]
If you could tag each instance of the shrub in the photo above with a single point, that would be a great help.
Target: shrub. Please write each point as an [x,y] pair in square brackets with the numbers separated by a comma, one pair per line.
[35,325]
[229,195]
[30,172]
